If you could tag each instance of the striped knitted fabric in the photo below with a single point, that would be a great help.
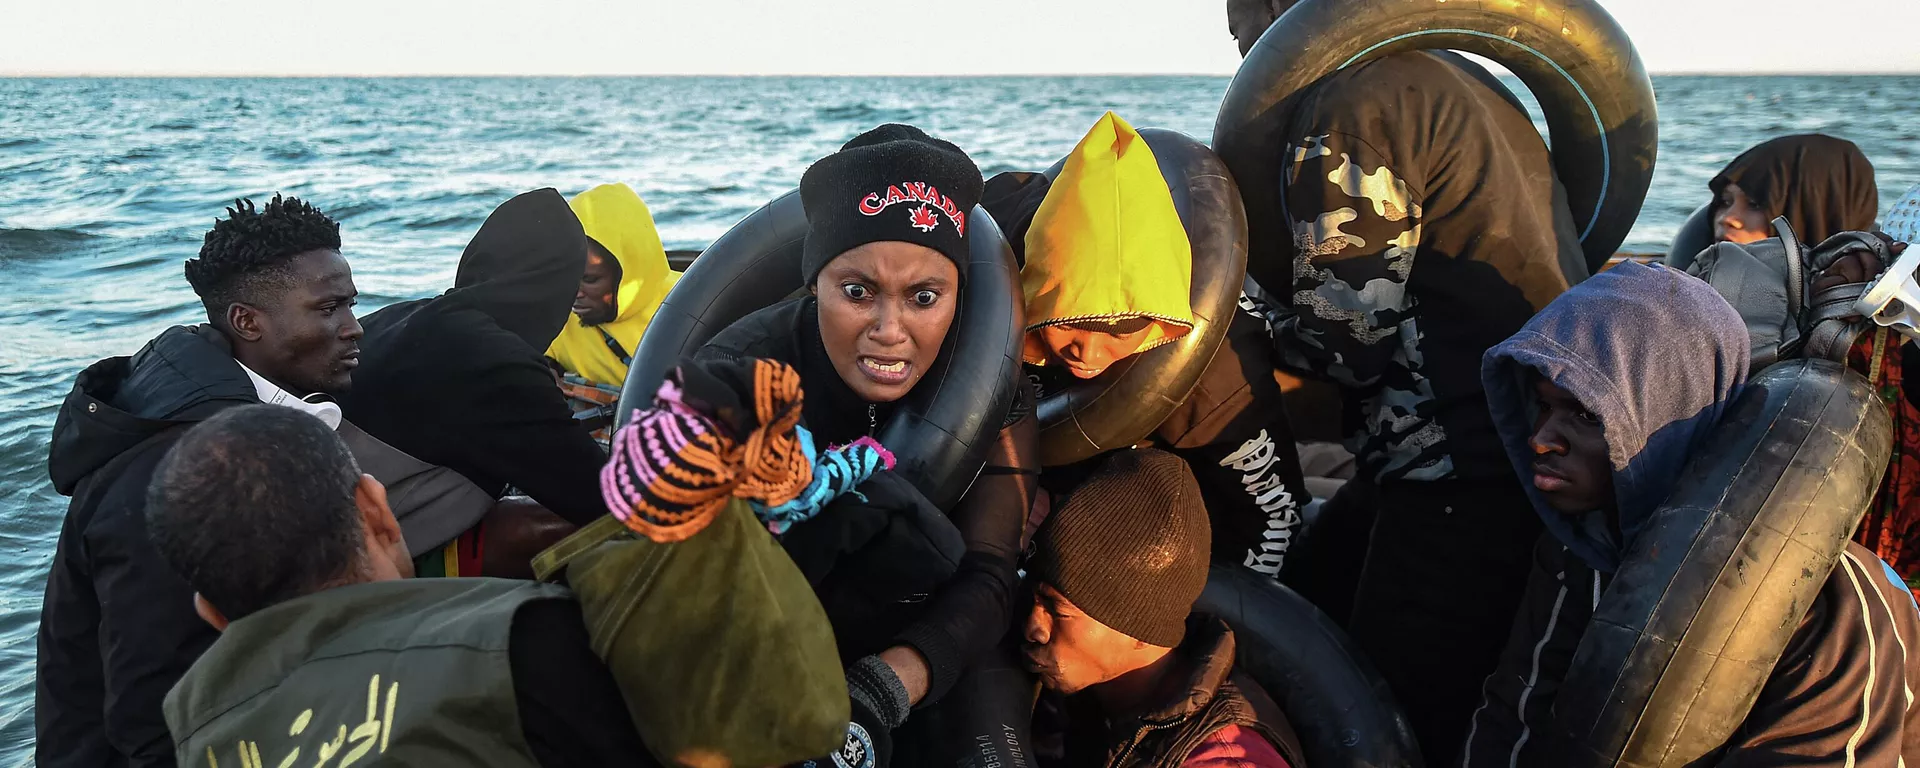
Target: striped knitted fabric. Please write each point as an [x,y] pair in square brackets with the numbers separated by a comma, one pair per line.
[715,431]
[836,471]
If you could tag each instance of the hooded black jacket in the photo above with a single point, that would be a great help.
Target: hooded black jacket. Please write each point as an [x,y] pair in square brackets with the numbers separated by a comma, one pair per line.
[460,380]
[1231,428]
[117,628]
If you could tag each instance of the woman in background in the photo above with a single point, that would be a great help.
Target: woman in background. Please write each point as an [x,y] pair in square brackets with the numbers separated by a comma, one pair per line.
[1824,186]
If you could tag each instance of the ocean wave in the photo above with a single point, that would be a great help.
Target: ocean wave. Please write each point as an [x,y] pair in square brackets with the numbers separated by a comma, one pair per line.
[844,112]
[29,244]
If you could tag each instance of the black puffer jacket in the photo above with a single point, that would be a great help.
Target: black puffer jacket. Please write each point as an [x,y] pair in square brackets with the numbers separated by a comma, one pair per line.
[862,555]
[118,627]
[460,380]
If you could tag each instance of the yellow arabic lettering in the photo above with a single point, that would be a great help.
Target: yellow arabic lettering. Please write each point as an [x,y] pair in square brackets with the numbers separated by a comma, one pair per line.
[300,723]
[331,748]
[364,733]
[373,733]
[386,728]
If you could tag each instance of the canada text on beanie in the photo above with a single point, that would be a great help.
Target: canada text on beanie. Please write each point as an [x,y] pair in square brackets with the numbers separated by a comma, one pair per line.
[893,183]
[1130,546]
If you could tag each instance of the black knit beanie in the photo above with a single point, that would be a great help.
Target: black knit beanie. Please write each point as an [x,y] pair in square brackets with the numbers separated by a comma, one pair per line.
[891,183]
[1130,546]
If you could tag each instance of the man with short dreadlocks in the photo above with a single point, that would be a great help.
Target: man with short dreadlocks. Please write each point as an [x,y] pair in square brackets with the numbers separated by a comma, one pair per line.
[117,627]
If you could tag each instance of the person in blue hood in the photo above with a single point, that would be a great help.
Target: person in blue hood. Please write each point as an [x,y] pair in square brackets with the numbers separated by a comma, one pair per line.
[1600,400]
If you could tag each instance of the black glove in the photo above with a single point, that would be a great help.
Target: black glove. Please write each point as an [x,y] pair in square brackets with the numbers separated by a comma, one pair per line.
[866,747]
[879,706]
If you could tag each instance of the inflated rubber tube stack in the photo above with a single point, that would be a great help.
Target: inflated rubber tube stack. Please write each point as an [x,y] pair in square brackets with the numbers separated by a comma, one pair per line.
[1339,707]
[1573,56]
[1125,404]
[1709,594]
[765,244]
[941,432]
[1695,235]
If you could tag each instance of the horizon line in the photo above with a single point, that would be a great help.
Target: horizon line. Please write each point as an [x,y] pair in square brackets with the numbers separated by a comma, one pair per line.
[24,75]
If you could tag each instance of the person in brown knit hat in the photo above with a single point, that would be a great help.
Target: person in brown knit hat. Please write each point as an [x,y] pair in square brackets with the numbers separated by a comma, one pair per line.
[1115,572]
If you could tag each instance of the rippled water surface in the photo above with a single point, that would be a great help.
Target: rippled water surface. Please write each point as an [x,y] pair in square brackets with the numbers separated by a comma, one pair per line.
[107,185]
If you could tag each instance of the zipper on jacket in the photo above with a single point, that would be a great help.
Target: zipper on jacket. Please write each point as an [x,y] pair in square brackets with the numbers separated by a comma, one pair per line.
[1139,736]
[873,420]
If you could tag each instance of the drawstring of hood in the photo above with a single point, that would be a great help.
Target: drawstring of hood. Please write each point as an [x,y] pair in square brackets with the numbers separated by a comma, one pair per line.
[1107,244]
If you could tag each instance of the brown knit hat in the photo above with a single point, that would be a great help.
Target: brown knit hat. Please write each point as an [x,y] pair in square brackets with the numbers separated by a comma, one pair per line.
[1130,545]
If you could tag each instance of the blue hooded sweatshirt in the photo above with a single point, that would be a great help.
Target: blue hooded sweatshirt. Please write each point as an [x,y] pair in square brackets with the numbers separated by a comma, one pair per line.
[1656,354]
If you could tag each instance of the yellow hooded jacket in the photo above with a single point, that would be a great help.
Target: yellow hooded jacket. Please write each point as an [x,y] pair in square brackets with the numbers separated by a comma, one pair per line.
[615,217]
[1107,243]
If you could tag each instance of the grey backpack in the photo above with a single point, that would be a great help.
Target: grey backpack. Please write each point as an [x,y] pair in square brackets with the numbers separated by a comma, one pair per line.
[1770,283]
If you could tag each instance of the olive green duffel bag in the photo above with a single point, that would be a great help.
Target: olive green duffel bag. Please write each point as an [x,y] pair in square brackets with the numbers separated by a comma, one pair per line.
[719,646]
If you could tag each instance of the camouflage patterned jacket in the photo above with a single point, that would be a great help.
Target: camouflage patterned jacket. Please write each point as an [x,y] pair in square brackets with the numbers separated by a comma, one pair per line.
[1427,226]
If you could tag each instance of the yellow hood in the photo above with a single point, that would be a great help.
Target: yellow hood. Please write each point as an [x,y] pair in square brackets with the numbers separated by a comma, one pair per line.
[619,221]
[1107,243]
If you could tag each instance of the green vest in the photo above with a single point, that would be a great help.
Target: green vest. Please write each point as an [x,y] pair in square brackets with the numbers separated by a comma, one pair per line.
[408,672]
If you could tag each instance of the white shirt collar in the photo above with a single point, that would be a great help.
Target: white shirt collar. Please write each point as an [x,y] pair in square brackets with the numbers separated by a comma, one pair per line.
[271,394]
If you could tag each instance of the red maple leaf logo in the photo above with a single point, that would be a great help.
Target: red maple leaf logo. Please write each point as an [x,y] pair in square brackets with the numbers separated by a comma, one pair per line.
[924,219]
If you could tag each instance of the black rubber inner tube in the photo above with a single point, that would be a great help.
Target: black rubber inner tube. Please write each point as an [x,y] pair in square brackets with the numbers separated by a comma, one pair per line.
[1126,403]
[1573,56]
[1339,707]
[944,427]
[1709,594]
[1695,235]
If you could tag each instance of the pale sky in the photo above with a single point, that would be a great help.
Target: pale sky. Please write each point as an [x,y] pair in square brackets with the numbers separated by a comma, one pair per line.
[843,37]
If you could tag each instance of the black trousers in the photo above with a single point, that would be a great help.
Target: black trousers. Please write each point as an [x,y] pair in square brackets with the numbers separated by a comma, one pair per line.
[1445,568]
[1324,565]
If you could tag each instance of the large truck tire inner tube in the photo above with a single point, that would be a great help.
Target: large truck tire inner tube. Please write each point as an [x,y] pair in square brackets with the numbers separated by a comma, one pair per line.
[1126,403]
[1339,707]
[1573,56]
[943,429]
[1695,235]
[1709,594]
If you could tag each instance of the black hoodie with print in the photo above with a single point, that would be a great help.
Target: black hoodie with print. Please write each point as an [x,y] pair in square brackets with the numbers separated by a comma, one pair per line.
[1231,428]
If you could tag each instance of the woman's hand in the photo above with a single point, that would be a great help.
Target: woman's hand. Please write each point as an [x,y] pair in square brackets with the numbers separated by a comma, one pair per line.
[908,665]
[1856,266]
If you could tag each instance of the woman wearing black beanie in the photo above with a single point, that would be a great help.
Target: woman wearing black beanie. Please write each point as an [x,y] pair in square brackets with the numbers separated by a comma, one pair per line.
[917,596]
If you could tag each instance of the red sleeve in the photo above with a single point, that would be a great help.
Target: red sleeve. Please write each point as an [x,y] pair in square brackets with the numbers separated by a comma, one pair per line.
[1234,747]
